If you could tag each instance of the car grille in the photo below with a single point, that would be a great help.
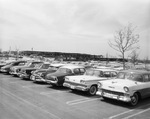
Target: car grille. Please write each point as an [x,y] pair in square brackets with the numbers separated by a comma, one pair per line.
[113,92]
[28,71]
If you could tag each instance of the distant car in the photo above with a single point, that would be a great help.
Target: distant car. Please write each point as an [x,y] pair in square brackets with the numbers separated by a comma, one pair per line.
[88,81]
[6,68]
[129,86]
[26,72]
[15,70]
[57,78]
[39,75]
[3,63]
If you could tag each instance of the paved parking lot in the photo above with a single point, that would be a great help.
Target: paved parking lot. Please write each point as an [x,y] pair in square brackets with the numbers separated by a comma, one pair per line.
[23,99]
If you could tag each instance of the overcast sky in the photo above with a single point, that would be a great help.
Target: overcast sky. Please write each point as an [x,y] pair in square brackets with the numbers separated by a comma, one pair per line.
[74,26]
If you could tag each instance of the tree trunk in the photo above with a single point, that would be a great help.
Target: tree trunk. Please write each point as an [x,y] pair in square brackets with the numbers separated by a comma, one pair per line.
[123,60]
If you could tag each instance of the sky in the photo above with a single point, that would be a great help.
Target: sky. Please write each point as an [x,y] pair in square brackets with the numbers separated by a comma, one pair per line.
[72,26]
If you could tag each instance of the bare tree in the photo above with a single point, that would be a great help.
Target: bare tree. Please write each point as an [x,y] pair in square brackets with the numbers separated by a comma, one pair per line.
[125,40]
[146,62]
[0,50]
[134,57]
[17,53]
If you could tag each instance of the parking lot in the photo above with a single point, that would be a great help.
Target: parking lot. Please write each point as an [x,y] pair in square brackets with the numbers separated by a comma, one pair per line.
[23,99]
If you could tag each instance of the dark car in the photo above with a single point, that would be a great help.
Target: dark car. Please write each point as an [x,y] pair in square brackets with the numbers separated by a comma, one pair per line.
[39,75]
[57,78]
[6,68]
[26,72]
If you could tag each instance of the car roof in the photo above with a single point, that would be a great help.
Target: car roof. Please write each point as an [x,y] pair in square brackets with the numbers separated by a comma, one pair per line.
[99,69]
[72,66]
[56,64]
[136,71]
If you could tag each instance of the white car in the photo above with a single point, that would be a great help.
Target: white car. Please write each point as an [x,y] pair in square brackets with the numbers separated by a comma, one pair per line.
[129,86]
[88,81]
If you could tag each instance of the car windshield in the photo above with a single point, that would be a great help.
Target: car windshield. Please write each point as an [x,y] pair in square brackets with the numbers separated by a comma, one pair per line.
[93,73]
[45,66]
[32,65]
[38,65]
[64,70]
[28,64]
[130,76]
[106,74]
[21,64]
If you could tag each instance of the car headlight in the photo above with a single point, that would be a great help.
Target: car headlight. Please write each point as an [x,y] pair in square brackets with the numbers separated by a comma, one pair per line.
[33,72]
[23,71]
[17,70]
[99,84]
[82,81]
[126,89]
[55,78]
[40,74]
[66,79]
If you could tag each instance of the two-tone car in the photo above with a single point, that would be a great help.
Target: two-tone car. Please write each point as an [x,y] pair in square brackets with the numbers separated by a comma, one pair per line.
[57,78]
[39,75]
[25,73]
[15,70]
[129,86]
[6,68]
[88,81]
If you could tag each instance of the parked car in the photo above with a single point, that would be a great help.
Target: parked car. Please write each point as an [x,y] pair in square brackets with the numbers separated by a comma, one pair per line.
[88,81]
[57,78]
[39,75]
[15,70]
[3,63]
[6,68]
[129,86]
[26,72]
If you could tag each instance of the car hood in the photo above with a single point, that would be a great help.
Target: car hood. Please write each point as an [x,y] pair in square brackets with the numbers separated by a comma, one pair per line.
[6,66]
[119,84]
[28,68]
[57,74]
[18,67]
[78,78]
[41,70]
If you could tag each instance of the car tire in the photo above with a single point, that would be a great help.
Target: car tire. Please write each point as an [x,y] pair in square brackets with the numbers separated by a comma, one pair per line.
[105,98]
[134,99]
[93,89]
[73,90]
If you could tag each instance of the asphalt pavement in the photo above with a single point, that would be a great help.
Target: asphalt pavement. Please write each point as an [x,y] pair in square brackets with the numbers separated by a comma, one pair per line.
[23,99]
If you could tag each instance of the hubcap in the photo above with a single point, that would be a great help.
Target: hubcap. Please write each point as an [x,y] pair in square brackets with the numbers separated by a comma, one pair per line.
[134,99]
[92,90]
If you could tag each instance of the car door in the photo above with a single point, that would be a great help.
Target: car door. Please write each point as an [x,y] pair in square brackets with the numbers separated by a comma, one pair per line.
[145,86]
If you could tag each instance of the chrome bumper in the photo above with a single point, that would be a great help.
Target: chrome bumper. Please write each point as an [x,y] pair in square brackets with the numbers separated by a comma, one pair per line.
[77,87]
[125,98]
